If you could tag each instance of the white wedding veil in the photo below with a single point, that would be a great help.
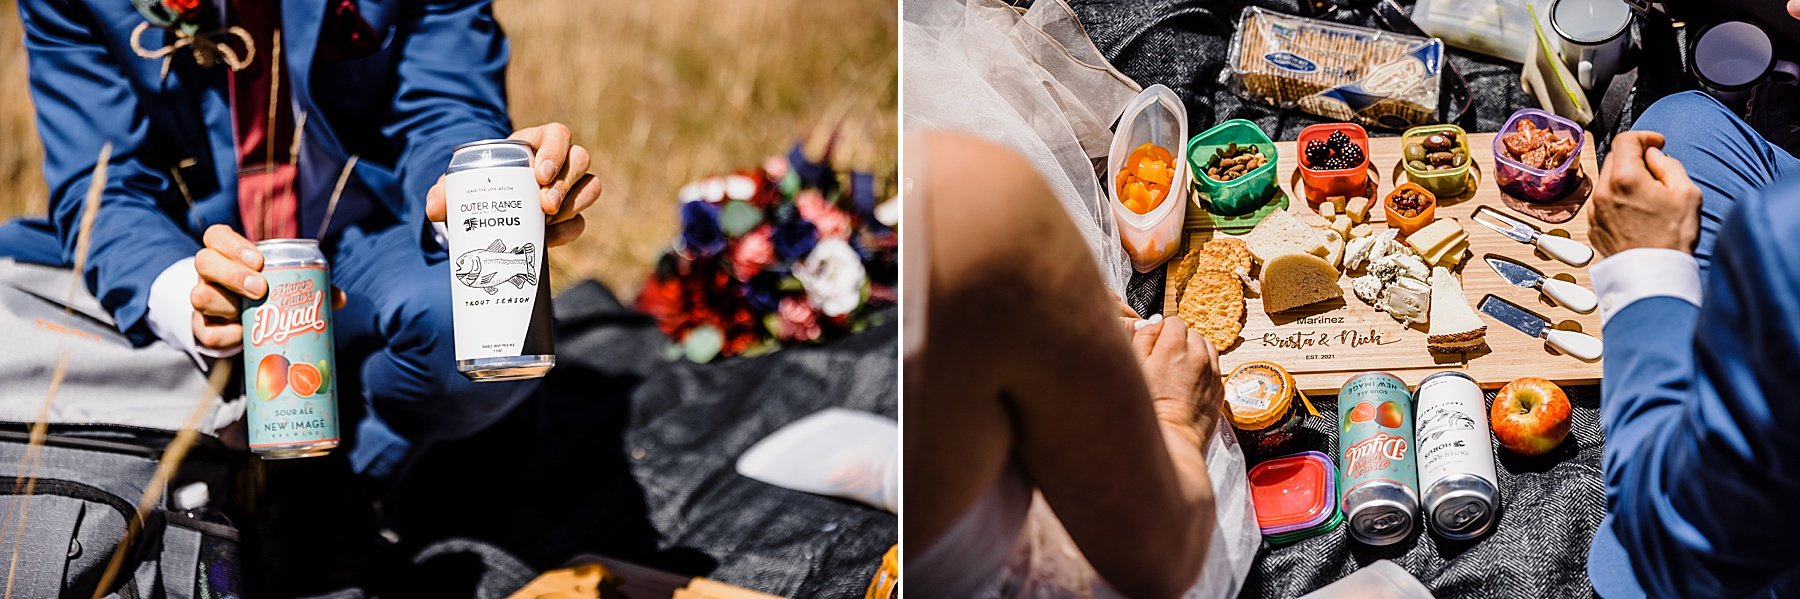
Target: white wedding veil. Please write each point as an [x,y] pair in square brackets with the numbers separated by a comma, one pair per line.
[1030,80]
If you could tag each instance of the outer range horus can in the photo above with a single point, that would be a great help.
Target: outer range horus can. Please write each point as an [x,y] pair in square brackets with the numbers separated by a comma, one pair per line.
[1456,457]
[1377,469]
[499,279]
[288,362]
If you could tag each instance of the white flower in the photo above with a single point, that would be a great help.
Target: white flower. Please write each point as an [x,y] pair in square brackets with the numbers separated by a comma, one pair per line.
[833,277]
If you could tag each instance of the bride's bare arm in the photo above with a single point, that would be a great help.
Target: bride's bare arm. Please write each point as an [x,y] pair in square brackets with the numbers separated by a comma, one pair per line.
[1108,426]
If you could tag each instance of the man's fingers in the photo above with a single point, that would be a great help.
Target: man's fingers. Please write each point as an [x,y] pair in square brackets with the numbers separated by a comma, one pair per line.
[552,147]
[582,195]
[435,201]
[1665,168]
[215,268]
[1626,160]
[1793,7]
[212,300]
[1173,337]
[217,334]
[565,232]
[230,244]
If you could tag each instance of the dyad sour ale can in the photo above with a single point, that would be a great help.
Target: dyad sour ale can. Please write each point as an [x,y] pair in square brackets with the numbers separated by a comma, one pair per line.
[500,283]
[1377,468]
[1456,457]
[288,362]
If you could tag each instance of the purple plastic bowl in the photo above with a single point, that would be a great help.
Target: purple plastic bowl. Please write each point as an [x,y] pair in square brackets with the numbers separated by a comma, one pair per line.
[1537,185]
[1330,490]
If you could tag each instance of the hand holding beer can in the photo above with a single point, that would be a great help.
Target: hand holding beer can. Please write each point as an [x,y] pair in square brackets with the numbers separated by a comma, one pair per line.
[289,378]
[499,279]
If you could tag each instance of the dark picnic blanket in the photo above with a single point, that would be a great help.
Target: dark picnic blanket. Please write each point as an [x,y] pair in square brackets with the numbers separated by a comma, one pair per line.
[1551,505]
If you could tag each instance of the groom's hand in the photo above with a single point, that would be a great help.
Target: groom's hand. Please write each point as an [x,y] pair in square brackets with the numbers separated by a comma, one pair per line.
[566,188]
[230,269]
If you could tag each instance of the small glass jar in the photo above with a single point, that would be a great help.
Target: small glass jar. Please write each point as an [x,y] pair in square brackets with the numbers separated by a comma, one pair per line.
[1261,400]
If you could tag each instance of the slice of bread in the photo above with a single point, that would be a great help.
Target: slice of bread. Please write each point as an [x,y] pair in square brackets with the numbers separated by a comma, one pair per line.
[1283,233]
[1455,327]
[1296,279]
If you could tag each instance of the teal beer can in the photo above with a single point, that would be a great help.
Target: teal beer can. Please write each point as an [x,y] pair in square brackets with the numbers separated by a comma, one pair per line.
[288,362]
[1378,464]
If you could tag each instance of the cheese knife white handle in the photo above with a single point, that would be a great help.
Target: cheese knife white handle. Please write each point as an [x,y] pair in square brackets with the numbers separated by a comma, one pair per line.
[1571,252]
[1582,346]
[1569,295]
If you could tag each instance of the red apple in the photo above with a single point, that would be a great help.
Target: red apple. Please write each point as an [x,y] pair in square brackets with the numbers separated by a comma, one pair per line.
[1530,416]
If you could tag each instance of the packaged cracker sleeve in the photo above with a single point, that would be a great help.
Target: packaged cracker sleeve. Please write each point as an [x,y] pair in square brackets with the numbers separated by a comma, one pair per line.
[1377,78]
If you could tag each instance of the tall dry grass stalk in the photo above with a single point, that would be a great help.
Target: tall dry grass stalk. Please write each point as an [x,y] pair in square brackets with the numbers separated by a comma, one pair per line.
[165,468]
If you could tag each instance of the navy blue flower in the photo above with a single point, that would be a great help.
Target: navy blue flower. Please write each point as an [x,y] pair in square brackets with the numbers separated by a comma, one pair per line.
[764,292]
[817,175]
[862,193]
[795,239]
[700,230]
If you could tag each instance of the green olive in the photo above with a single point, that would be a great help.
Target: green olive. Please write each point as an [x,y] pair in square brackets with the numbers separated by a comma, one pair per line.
[1415,152]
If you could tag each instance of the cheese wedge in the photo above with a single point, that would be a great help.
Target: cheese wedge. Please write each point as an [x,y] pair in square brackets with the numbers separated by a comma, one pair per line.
[1455,328]
[1435,236]
[1334,247]
[1297,279]
[1283,233]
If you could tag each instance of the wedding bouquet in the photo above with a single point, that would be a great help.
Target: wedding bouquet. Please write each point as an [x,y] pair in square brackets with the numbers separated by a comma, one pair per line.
[786,254]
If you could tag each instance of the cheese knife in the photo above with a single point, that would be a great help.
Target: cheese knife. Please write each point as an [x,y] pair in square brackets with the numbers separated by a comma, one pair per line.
[1571,252]
[1583,346]
[1564,293]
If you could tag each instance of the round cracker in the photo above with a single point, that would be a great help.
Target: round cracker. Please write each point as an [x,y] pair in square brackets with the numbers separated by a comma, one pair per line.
[1214,306]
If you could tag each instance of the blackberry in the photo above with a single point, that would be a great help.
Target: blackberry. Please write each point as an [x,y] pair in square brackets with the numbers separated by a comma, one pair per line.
[1352,154]
[1338,140]
[1336,163]
[1317,152]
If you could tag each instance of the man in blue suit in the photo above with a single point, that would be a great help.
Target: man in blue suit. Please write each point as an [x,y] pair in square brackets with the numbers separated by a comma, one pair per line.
[1699,220]
[238,120]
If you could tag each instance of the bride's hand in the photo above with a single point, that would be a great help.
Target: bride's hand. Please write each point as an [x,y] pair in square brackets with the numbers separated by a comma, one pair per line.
[1181,369]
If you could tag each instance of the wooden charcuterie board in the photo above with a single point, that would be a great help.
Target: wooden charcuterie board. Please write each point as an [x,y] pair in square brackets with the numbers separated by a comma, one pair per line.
[1325,344]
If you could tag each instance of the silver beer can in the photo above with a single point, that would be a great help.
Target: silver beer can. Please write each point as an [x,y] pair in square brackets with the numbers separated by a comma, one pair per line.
[1456,457]
[500,280]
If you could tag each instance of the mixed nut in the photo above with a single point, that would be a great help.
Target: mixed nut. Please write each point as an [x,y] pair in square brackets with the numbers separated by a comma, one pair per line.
[1538,147]
[1435,152]
[1233,161]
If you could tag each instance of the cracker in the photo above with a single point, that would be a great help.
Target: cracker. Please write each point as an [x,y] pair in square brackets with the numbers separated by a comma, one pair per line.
[1214,306]
[1228,254]
[1184,269]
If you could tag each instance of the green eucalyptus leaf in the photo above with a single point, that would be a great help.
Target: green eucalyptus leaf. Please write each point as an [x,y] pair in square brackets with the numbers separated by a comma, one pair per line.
[738,218]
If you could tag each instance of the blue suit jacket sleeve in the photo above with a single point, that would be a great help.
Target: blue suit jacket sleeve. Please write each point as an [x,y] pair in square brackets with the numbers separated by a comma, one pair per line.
[1703,455]
[452,90]
[84,101]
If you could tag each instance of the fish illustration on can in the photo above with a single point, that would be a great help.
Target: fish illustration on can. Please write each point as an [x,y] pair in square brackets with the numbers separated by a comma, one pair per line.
[494,265]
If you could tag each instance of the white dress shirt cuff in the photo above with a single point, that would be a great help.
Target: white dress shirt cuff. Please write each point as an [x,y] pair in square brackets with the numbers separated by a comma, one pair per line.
[171,313]
[1635,274]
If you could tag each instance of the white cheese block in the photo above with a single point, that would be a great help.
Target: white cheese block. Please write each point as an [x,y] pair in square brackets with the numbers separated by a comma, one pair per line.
[1358,209]
[1454,325]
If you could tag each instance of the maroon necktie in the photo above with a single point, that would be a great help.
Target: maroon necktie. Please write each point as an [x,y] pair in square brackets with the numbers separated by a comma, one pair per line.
[268,202]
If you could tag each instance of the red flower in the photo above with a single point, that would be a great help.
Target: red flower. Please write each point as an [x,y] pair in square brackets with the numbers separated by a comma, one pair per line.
[182,8]
[753,252]
[831,222]
[798,320]
[662,299]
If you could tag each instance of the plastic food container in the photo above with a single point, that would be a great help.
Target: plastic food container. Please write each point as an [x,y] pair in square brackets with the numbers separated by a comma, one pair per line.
[1321,183]
[1531,184]
[1498,28]
[1445,183]
[1400,221]
[1241,195]
[1292,493]
[1156,116]
[1260,397]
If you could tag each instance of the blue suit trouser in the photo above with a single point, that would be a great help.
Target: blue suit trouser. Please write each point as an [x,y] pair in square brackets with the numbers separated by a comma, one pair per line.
[397,353]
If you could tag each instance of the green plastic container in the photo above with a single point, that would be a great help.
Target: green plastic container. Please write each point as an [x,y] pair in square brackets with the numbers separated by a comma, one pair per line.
[1447,183]
[1241,195]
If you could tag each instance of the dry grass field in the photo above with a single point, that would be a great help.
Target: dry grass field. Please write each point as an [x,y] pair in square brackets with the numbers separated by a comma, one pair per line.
[661,91]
